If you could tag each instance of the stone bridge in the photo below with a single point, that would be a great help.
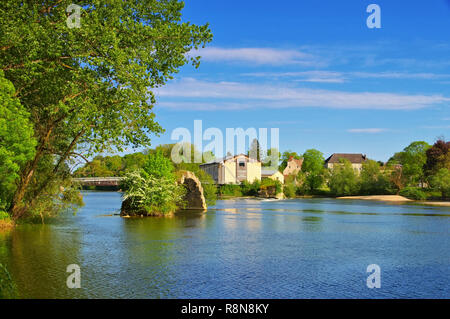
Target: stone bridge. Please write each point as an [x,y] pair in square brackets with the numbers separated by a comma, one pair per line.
[98,181]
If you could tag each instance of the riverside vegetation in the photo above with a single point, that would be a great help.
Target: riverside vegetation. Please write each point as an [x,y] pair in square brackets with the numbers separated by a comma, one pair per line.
[420,172]
[76,92]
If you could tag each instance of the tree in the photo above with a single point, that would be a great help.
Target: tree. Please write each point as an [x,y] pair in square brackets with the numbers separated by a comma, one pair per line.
[313,167]
[88,89]
[437,157]
[255,151]
[343,180]
[412,158]
[441,181]
[373,181]
[159,166]
[16,141]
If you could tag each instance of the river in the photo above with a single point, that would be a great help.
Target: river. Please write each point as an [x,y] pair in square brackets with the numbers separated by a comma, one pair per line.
[243,248]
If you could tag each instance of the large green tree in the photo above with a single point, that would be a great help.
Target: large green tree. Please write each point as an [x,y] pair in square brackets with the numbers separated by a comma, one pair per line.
[344,180]
[89,89]
[313,168]
[412,158]
[16,140]
[373,181]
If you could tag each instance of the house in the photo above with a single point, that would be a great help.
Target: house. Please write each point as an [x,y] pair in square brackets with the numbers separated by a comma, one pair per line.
[293,167]
[272,174]
[233,169]
[355,159]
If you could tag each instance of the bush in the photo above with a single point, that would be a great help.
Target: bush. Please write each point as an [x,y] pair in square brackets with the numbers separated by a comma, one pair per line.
[230,190]
[413,193]
[289,190]
[267,183]
[343,181]
[154,195]
[4,215]
[250,189]
[441,182]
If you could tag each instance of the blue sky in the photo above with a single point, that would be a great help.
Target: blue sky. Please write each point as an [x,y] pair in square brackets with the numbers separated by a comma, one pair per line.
[318,73]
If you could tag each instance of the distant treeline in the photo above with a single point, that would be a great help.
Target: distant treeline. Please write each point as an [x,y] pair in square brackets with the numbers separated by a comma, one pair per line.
[420,171]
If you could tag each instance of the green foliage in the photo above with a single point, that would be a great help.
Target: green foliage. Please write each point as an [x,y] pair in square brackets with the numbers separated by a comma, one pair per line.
[313,167]
[17,144]
[268,182]
[344,180]
[441,182]
[412,158]
[7,287]
[230,190]
[373,181]
[415,193]
[289,190]
[157,195]
[159,166]
[107,166]
[250,189]
[89,89]
[4,215]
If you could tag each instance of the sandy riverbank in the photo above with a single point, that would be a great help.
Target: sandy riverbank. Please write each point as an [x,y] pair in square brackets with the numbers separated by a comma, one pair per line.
[396,198]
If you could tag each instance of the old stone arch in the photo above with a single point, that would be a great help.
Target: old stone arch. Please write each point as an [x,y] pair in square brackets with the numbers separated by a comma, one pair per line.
[194,197]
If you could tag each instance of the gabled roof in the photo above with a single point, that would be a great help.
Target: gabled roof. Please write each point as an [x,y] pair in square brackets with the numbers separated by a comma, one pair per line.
[353,158]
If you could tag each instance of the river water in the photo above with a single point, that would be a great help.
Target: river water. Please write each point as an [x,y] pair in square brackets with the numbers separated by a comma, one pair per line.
[243,248]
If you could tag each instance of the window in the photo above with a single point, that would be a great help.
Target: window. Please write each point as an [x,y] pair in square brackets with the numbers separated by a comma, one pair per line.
[241,164]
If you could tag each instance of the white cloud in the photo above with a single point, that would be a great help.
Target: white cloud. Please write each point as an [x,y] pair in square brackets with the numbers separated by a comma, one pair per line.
[367,130]
[197,94]
[340,77]
[257,56]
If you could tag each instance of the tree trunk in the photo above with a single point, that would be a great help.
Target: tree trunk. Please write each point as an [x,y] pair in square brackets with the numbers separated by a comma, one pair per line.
[17,209]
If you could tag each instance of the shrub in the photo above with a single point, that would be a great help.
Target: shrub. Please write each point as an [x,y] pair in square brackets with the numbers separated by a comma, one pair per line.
[230,190]
[267,182]
[343,180]
[289,190]
[413,193]
[155,195]
[250,189]
[4,215]
[441,182]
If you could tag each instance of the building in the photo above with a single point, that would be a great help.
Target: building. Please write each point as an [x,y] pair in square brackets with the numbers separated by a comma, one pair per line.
[293,167]
[355,159]
[233,169]
[272,174]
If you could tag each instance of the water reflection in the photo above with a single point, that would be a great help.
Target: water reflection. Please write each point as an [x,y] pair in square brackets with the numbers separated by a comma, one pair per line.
[239,249]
